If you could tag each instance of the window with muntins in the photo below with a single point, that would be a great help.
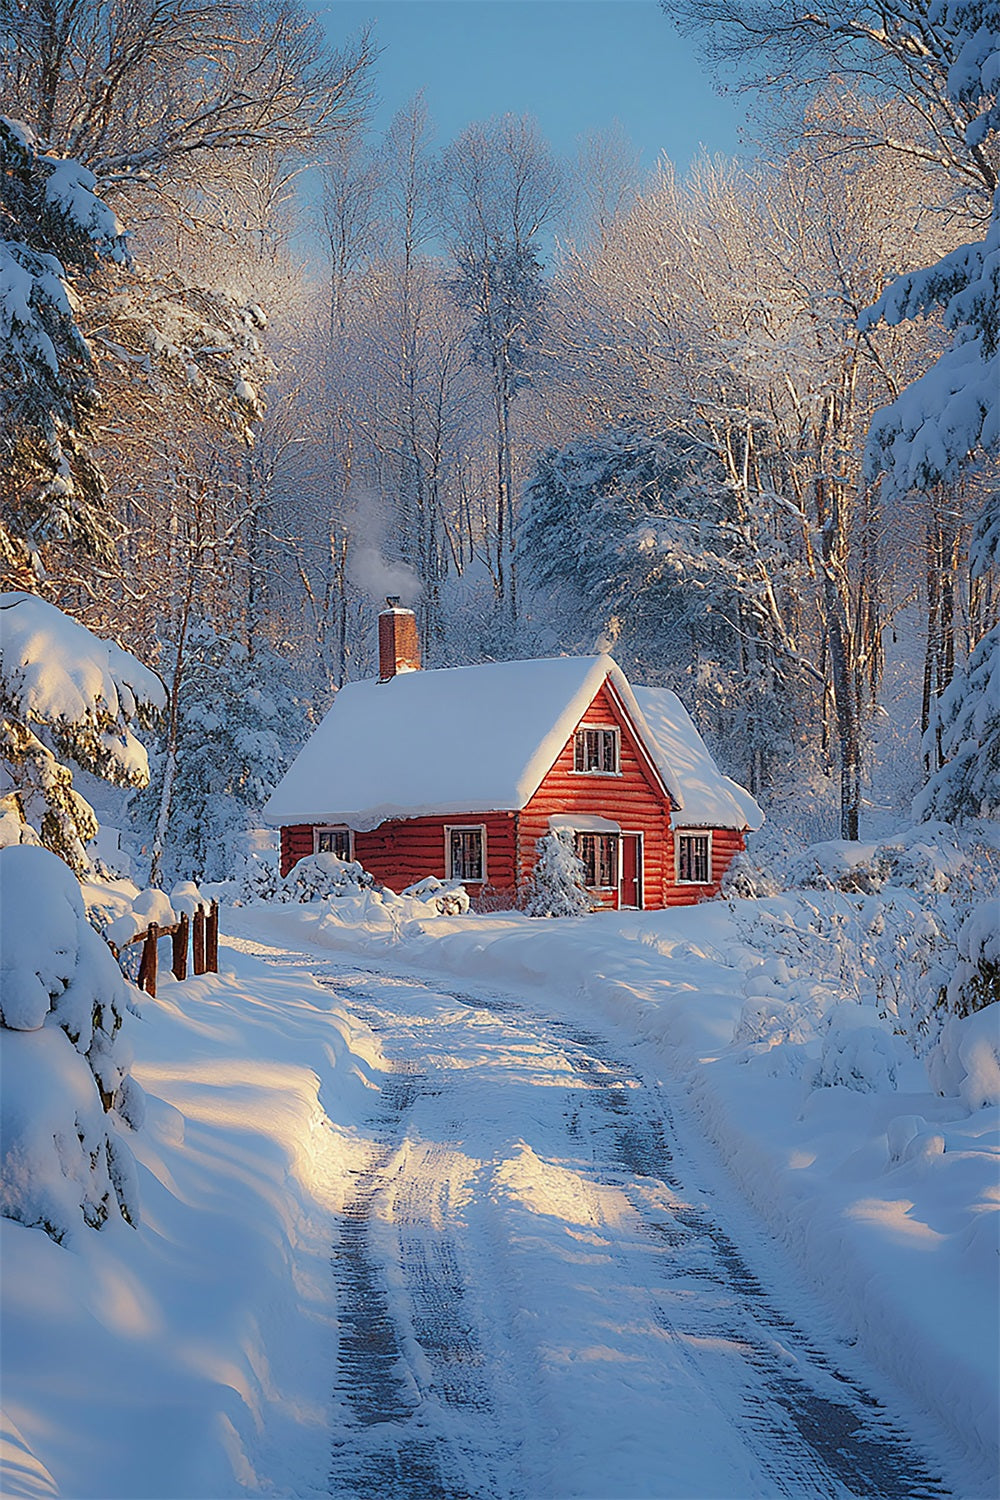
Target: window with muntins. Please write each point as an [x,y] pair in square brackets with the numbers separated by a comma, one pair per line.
[599,854]
[694,865]
[596,751]
[332,841]
[466,853]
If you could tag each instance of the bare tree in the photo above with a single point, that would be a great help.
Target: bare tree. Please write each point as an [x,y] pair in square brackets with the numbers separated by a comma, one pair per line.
[500,187]
[725,309]
[898,52]
[606,178]
[141,92]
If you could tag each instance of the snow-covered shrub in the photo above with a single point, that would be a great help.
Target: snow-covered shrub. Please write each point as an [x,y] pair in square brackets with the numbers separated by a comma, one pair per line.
[926,858]
[66,695]
[13,827]
[448,898]
[859,1052]
[975,983]
[557,884]
[66,1085]
[838,864]
[259,879]
[966,1061]
[321,875]
[890,953]
[744,880]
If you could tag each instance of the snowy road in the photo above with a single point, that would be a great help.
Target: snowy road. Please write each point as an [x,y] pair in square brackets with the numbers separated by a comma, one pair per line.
[542,1294]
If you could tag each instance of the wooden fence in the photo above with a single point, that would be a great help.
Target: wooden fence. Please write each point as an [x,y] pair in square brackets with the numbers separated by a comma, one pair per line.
[204,932]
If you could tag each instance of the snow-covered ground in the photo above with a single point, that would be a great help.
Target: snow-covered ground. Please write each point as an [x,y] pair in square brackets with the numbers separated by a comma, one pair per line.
[198,1354]
[191,1357]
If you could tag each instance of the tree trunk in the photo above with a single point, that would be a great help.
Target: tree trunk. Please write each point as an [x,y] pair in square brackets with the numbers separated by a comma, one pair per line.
[170,747]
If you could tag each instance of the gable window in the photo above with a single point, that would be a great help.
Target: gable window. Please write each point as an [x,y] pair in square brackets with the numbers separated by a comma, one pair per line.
[466,849]
[694,858]
[596,751]
[332,841]
[599,854]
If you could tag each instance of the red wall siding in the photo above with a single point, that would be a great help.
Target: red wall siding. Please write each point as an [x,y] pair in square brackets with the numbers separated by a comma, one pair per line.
[400,853]
[634,799]
[296,843]
[726,844]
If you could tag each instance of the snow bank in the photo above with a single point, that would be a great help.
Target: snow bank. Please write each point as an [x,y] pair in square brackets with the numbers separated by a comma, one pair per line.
[150,905]
[883,1190]
[66,1096]
[966,1061]
[211,1327]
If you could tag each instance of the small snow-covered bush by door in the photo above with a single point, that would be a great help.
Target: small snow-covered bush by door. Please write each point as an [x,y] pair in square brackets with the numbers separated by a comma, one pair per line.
[66,1091]
[556,888]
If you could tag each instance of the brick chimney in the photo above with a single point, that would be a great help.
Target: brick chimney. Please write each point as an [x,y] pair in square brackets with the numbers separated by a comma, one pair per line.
[398,642]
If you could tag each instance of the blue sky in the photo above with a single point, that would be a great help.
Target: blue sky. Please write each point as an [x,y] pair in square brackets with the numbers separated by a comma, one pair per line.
[576,65]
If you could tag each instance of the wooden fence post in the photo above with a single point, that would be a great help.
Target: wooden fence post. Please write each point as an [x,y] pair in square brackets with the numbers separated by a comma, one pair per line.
[212,939]
[180,942]
[198,941]
[147,964]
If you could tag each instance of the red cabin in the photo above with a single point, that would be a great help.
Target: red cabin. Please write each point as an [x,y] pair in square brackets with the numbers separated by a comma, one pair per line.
[458,772]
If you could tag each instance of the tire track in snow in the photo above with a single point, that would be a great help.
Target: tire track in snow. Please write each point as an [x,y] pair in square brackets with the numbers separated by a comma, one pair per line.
[820,1431]
[412,1372]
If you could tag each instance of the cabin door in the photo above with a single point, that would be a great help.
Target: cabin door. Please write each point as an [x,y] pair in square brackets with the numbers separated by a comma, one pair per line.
[630,893]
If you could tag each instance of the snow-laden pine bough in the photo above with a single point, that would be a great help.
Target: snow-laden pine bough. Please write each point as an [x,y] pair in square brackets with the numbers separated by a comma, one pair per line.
[67,1098]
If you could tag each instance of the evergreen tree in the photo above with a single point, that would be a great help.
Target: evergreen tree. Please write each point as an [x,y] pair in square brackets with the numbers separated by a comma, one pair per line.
[237,721]
[632,541]
[53,227]
[556,888]
[940,422]
[968,720]
[65,696]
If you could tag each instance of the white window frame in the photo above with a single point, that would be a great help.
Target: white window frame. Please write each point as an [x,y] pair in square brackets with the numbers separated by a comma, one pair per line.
[449,829]
[319,828]
[640,873]
[611,729]
[691,833]
[616,844]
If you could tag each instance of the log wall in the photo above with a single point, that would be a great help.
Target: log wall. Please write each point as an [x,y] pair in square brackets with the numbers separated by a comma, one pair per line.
[726,844]
[634,799]
[402,852]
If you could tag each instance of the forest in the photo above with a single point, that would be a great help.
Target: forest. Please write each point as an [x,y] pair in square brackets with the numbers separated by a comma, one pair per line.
[737,425]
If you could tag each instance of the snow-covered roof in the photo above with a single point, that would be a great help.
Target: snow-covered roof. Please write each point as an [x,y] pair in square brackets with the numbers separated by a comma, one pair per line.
[708,799]
[472,740]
